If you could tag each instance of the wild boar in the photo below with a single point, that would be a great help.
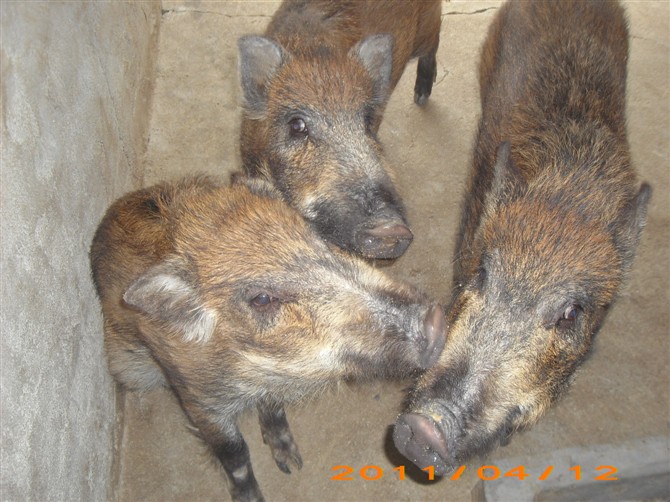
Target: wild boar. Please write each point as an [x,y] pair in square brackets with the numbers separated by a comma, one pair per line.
[227,296]
[315,88]
[549,229]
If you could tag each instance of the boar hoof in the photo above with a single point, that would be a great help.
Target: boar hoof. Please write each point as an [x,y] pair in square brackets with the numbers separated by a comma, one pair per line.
[421,99]
[420,439]
[294,459]
[385,241]
[434,328]
[284,452]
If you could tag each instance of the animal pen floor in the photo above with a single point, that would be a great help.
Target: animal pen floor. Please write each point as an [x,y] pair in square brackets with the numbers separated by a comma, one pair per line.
[620,395]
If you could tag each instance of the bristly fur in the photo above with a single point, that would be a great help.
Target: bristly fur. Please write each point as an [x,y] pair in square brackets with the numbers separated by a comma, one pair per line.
[549,228]
[333,66]
[226,295]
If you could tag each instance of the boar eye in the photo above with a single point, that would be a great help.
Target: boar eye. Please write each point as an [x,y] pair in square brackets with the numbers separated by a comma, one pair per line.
[263,301]
[297,127]
[569,317]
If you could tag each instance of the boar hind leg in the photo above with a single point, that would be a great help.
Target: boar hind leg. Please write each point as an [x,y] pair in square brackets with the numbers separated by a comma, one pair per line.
[233,453]
[277,435]
[426,73]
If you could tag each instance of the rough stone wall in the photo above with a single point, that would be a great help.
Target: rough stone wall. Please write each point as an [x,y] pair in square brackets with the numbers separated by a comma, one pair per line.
[76,85]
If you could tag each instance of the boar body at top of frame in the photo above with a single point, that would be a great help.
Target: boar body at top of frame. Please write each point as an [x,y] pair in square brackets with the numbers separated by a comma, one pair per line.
[315,88]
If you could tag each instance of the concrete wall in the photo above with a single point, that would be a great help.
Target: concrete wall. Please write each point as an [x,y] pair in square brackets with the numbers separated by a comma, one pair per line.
[76,83]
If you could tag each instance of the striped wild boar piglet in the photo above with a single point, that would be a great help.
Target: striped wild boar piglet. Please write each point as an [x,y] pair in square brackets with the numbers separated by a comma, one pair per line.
[226,295]
[315,87]
[549,229]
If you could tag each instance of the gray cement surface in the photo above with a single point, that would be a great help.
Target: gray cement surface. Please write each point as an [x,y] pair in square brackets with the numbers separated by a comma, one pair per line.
[633,470]
[73,81]
[621,394]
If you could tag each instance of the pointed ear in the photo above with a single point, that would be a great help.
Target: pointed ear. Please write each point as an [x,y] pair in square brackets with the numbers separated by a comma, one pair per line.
[376,54]
[167,294]
[633,221]
[506,177]
[260,58]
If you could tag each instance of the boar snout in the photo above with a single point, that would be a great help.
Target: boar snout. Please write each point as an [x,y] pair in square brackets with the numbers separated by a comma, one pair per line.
[367,219]
[421,440]
[386,241]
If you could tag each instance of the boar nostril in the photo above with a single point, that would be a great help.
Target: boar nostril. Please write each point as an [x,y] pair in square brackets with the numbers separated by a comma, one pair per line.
[419,439]
[434,330]
[384,241]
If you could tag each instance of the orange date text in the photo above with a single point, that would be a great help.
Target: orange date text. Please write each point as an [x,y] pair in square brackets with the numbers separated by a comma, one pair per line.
[485,472]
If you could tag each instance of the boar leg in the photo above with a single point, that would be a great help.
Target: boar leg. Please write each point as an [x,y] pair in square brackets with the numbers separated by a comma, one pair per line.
[277,435]
[426,73]
[232,451]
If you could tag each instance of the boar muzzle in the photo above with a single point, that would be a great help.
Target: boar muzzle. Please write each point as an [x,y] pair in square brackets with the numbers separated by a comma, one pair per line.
[386,241]
[422,440]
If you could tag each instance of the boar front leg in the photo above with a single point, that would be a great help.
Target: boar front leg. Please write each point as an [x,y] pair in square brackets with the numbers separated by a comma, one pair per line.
[277,435]
[232,451]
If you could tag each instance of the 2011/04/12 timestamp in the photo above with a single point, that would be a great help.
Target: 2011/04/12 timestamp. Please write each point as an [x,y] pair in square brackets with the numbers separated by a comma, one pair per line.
[485,472]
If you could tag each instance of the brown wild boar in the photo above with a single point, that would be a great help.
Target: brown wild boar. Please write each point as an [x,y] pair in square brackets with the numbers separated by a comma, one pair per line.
[549,228]
[315,87]
[227,296]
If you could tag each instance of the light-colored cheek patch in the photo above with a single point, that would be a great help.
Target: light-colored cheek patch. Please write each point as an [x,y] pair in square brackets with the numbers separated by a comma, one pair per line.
[200,327]
[326,356]
[241,473]
[329,358]
[307,207]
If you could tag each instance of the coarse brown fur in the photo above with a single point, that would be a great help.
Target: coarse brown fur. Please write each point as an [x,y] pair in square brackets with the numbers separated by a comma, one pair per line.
[306,27]
[226,295]
[315,87]
[549,228]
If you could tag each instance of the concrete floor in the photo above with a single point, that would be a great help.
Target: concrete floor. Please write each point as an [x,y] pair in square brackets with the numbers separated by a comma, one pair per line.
[620,394]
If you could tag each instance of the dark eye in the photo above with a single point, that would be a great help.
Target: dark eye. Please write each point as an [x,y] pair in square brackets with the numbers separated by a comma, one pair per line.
[263,301]
[569,317]
[297,127]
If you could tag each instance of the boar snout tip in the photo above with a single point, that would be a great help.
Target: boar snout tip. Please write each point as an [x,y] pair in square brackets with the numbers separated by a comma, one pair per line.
[434,331]
[386,241]
[420,440]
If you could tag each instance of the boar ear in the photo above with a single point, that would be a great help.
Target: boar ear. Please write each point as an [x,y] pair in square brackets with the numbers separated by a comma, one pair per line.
[258,186]
[166,294]
[506,177]
[634,218]
[376,54]
[260,58]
